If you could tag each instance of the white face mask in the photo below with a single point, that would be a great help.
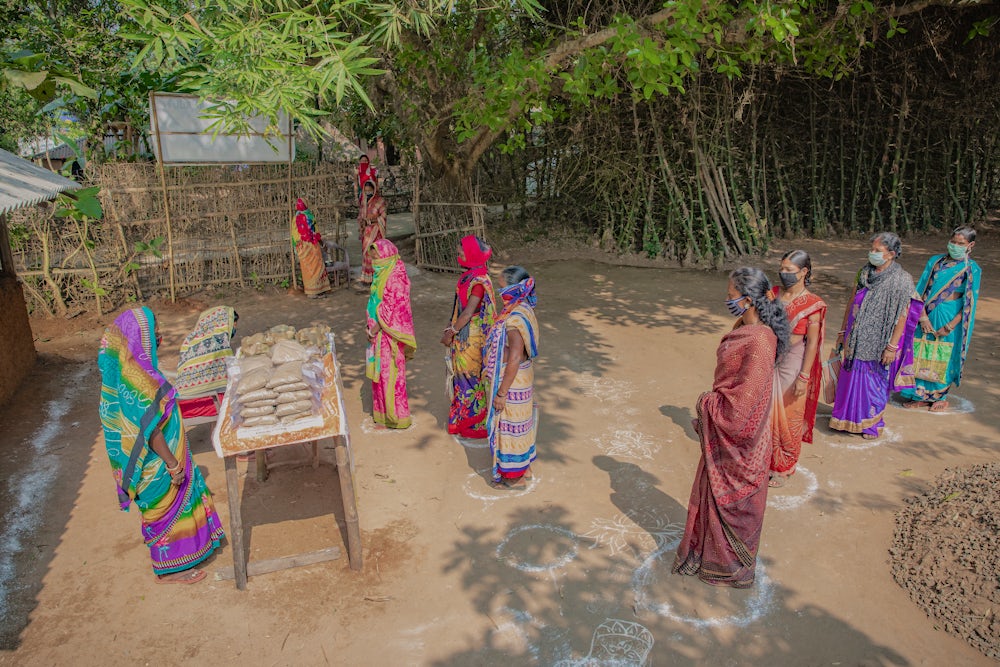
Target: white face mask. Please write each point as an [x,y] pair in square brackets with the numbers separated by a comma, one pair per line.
[877,258]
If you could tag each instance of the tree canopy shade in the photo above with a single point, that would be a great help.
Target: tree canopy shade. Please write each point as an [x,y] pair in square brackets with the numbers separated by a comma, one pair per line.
[461,74]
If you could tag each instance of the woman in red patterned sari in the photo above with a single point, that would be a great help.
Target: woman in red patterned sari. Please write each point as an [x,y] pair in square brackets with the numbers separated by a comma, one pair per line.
[739,422]
[799,370]
[372,213]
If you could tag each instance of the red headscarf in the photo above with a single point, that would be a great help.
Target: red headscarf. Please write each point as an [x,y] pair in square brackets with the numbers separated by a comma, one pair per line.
[474,263]
[300,205]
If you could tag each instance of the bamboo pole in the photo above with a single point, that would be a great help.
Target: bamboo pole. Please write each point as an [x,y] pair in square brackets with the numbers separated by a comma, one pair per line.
[291,208]
[166,202]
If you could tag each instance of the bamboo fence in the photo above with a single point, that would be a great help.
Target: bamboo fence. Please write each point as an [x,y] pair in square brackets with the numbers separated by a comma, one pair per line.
[229,227]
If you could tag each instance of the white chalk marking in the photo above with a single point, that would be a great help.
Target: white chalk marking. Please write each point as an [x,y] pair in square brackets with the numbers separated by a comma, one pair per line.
[483,443]
[30,490]
[605,389]
[476,488]
[858,443]
[616,532]
[781,502]
[518,563]
[757,605]
[616,643]
[368,427]
[628,444]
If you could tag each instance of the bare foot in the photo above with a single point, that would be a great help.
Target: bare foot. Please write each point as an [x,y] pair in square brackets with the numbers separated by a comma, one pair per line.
[185,577]
[869,436]
[938,406]
[777,481]
[915,405]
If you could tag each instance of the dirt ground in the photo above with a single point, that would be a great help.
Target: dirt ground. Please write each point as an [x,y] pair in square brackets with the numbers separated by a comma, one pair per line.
[457,573]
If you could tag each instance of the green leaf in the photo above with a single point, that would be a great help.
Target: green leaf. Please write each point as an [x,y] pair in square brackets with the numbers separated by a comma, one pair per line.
[28,80]
[90,207]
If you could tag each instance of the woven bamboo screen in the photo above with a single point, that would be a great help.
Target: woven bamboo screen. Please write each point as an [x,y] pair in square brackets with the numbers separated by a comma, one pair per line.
[229,226]
[441,217]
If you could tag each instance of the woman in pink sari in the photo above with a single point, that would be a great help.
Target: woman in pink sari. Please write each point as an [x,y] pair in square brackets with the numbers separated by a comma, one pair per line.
[739,423]
[390,337]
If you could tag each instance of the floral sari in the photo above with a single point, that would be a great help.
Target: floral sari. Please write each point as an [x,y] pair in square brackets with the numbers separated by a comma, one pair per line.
[372,213]
[389,306]
[467,416]
[739,423]
[512,432]
[799,410]
[950,290]
[307,243]
[179,523]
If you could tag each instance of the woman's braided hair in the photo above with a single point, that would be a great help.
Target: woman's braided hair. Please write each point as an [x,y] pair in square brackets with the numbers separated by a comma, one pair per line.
[753,284]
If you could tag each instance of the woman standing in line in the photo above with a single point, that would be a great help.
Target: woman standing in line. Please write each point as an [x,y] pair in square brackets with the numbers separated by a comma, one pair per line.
[372,215]
[308,244]
[949,287]
[877,340]
[800,369]
[471,318]
[739,422]
[512,421]
[150,460]
[390,337]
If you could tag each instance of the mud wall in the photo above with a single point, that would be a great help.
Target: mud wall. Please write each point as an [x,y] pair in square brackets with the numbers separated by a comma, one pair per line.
[17,350]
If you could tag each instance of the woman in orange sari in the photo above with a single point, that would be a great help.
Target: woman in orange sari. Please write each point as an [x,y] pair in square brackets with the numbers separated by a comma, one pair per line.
[739,422]
[799,370]
[307,242]
[372,212]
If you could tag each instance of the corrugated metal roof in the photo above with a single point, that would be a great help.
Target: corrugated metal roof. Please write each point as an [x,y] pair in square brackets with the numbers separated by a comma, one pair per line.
[23,183]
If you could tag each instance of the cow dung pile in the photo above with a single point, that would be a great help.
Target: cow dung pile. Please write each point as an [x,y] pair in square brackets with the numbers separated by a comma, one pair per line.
[946,553]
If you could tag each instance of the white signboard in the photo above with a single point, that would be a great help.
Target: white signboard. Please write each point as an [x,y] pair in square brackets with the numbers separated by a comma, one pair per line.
[184,136]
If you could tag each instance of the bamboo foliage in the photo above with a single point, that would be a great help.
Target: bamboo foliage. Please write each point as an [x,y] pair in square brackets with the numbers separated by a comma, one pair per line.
[713,174]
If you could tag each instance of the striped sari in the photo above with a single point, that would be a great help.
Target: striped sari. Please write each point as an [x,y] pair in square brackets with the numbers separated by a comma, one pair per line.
[179,523]
[202,366]
[389,307]
[511,433]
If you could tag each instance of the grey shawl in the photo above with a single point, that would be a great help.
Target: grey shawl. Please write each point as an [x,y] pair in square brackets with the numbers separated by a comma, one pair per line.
[887,299]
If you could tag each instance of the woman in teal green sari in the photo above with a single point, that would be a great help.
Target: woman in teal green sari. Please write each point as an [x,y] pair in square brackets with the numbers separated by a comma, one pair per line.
[949,288]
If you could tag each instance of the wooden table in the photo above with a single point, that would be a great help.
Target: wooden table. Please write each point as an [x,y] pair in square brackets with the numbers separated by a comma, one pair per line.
[331,425]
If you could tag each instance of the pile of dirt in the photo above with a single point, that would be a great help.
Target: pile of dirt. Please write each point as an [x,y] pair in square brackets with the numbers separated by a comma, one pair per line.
[946,553]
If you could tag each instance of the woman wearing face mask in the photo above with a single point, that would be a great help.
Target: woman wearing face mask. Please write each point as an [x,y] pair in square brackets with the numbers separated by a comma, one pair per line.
[799,370]
[949,288]
[509,374]
[739,422]
[876,337]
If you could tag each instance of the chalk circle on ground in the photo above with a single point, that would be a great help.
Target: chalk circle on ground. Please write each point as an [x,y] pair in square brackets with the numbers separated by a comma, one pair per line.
[782,502]
[757,604]
[956,406]
[482,443]
[368,427]
[856,442]
[542,535]
[479,488]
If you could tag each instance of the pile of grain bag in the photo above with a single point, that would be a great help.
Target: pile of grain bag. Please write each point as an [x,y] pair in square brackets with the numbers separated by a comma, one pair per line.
[278,376]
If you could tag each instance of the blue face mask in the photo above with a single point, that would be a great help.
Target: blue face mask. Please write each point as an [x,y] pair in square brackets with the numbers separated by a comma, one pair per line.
[956,251]
[734,306]
[876,258]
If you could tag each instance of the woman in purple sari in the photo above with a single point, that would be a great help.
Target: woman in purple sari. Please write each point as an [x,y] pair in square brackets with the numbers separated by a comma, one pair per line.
[876,339]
